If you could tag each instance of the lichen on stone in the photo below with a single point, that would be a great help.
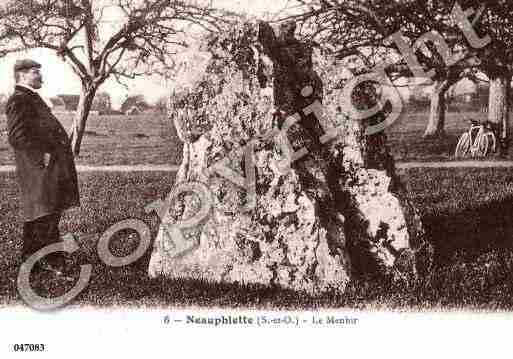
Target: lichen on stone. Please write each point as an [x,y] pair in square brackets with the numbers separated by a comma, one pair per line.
[306,221]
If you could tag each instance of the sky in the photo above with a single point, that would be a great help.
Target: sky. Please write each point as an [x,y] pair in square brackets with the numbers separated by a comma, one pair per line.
[59,78]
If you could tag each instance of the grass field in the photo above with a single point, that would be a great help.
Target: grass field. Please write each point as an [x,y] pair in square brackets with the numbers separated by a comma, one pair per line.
[151,139]
[118,140]
[466,214]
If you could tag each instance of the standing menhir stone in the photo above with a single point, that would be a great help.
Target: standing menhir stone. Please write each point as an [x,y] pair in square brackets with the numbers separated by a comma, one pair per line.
[309,223]
[282,241]
[296,86]
[381,212]
[293,69]
[382,228]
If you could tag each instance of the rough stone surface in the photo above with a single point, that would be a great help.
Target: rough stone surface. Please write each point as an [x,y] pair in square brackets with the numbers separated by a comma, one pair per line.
[312,228]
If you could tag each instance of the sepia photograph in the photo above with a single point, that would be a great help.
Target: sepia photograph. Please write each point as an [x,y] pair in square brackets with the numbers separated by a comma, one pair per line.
[255,164]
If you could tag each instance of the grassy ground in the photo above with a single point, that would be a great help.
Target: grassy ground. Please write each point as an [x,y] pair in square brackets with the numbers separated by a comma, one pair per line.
[466,214]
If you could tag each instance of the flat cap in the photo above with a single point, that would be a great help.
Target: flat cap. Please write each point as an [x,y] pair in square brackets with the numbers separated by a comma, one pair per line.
[25,64]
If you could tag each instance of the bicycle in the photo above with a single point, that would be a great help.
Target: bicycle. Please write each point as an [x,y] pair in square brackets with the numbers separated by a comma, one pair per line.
[478,141]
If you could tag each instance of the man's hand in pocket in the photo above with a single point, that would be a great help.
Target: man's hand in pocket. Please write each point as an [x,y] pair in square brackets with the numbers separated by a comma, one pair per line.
[47,157]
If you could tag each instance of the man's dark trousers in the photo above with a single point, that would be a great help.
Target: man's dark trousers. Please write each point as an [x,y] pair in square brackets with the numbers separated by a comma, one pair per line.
[40,233]
[47,189]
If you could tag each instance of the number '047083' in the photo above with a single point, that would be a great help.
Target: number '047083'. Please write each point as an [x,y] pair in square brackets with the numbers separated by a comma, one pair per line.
[29,347]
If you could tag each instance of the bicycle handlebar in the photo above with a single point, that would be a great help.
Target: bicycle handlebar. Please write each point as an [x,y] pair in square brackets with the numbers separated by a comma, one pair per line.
[487,124]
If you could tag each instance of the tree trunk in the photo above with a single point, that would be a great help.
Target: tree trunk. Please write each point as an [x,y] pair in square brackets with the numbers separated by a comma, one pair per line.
[498,104]
[436,122]
[79,123]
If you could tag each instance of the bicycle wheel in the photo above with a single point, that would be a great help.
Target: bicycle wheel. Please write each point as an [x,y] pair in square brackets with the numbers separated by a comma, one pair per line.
[463,146]
[482,145]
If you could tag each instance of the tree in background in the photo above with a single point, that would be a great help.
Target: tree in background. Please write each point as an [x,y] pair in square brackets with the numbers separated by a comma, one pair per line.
[161,104]
[370,30]
[102,103]
[3,101]
[143,40]
[497,60]
[136,101]
[70,101]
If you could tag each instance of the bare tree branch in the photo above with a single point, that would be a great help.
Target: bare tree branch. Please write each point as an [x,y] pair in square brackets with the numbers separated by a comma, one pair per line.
[147,37]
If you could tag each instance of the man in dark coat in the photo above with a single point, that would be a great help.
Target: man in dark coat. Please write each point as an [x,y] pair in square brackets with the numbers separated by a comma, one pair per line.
[44,162]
